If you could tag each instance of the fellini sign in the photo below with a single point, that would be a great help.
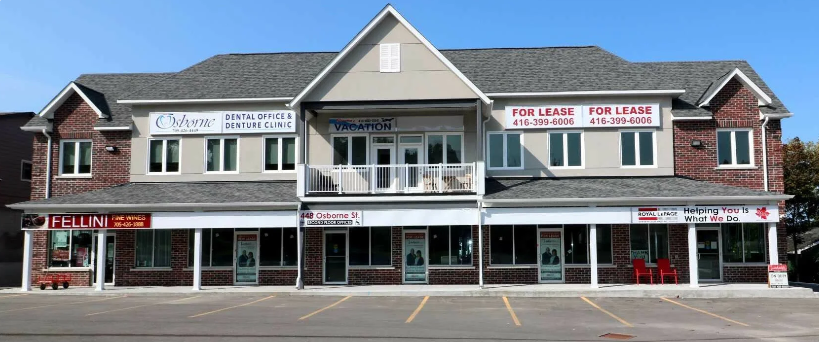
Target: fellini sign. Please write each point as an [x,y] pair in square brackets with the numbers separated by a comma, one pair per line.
[703,214]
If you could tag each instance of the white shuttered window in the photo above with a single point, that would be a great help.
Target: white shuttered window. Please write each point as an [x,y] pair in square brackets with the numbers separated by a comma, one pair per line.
[390,57]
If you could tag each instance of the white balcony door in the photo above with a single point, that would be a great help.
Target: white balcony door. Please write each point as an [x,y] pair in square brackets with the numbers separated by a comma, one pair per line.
[383,156]
[410,177]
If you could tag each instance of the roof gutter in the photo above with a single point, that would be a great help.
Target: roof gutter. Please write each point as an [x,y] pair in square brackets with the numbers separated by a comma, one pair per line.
[228,100]
[621,200]
[672,92]
[35,129]
[161,206]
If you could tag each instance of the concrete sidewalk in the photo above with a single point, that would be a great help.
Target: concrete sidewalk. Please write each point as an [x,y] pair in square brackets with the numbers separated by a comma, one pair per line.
[540,290]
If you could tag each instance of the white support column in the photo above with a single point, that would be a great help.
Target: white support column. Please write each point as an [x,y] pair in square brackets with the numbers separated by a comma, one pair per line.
[693,260]
[300,257]
[773,244]
[101,256]
[480,248]
[28,243]
[593,254]
[197,259]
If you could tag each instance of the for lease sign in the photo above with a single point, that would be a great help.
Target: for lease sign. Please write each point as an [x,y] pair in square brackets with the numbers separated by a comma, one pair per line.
[705,214]
[581,116]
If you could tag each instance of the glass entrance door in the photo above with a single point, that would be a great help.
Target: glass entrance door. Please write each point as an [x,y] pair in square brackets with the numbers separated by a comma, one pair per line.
[415,256]
[245,253]
[550,247]
[708,254]
[410,155]
[335,257]
[110,257]
[384,157]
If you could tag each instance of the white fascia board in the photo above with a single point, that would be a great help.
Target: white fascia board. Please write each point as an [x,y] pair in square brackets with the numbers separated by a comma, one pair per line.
[742,78]
[634,200]
[672,92]
[691,118]
[775,116]
[388,199]
[151,207]
[119,128]
[35,129]
[51,107]
[363,33]
[229,100]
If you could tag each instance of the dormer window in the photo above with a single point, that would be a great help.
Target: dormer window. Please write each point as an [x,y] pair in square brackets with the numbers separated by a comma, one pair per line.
[390,60]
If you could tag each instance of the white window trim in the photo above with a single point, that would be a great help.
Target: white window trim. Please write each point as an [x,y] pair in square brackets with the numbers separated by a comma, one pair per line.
[70,241]
[391,47]
[31,167]
[733,163]
[444,134]
[281,154]
[637,148]
[153,251]
[650,244]
[164,159]
[369,264]
[222,154]
[349,150]
[76,173]
[566,150]
[505,151]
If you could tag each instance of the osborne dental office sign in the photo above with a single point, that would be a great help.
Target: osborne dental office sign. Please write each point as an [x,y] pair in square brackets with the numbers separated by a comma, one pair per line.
[713,214]
[226,122]
[583,116]
[331,218]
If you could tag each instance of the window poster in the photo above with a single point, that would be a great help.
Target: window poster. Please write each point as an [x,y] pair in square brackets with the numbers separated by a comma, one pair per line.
[246,252]
[415,269]
[551,266]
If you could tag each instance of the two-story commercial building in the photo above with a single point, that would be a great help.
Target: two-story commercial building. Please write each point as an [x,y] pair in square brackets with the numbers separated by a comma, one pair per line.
[393,162]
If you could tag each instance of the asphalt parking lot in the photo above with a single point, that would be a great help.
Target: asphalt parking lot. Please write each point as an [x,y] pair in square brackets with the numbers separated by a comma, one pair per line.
[258,317]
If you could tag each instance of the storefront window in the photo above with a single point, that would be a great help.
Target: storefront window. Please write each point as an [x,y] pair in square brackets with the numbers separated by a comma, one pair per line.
[604,250]
[649,242]
[576,244]
[450,245]
[370,246]
[743,242]
[153,248]
[217,247]
[277,246]
[513,245]
[70,248]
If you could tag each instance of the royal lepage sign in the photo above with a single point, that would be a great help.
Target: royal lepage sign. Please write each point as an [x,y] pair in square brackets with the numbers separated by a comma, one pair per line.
[585,116]
[703,214]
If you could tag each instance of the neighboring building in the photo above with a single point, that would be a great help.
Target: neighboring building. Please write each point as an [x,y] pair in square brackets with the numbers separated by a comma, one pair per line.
[394,162]
[15,186]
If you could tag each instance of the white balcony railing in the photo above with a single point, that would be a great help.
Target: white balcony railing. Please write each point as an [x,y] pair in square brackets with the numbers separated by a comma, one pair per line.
[391,179]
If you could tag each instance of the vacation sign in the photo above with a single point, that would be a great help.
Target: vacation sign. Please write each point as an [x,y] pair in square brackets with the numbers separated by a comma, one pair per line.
[228,122]
[710,214]
[583,116]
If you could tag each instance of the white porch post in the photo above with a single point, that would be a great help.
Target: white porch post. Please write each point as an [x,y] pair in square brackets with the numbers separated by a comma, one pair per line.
[773,244]
[480,247]
[197,259]
[299,257]
[101,256]
[693,262]
[28,242]
[593,254]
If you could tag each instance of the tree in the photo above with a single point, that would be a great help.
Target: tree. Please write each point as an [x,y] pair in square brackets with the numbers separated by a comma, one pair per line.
[801,175]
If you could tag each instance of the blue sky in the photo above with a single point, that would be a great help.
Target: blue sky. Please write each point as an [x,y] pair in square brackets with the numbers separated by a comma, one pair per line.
[46,44]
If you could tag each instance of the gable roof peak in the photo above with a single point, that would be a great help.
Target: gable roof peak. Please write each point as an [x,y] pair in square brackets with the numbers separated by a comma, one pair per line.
[737,74]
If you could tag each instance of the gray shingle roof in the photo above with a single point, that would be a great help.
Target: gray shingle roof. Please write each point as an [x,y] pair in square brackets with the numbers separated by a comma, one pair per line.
[180,193]
[611,187]
[104,90]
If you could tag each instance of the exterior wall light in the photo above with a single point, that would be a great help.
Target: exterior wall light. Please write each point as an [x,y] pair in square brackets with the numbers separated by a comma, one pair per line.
[696,143]
[111,148]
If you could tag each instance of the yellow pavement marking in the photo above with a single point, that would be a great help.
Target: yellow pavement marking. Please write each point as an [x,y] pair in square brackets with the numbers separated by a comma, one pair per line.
[50,305]
[511,312]
[607,312]
[141,306]
[324,308]
[231,307]
[17,295]
[705,312]
[415,313]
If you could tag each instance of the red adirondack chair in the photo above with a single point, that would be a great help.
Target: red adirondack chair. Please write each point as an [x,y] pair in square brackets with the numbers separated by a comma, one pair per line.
[640,270]
[665,269]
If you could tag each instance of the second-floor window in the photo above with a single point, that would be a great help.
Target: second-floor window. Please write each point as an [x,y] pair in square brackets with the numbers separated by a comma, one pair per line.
[163,156]
[279,153]
[75,157]
[637,148]
[25,170]
[222,154]
[566,149]
[350,150]
[734,147]
[444,148]
[505,150]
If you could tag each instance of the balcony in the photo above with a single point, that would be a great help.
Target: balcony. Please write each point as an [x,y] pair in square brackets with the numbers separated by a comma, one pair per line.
[391,179]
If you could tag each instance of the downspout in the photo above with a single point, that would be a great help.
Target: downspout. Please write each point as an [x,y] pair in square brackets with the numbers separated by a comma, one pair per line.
[765,151]
[480,200]
[48,166]
[483,130]
[300,250]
